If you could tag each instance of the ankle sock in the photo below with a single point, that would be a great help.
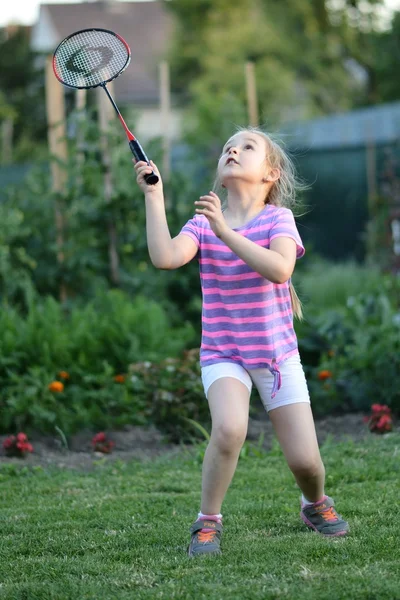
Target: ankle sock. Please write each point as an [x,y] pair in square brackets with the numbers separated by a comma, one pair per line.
[217,518]
[306,502]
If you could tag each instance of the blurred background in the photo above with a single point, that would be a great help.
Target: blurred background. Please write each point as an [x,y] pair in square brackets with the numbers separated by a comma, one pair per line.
[79,295]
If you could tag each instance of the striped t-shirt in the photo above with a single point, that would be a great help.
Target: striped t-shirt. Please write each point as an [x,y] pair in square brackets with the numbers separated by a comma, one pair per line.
[246,319]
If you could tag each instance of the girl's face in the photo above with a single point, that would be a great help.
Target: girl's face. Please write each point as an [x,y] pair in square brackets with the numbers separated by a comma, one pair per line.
[243,157]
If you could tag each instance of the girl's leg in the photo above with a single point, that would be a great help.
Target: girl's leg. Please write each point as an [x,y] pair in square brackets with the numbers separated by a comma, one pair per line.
[295,430]
[294,426]
[228,399]
[291,416]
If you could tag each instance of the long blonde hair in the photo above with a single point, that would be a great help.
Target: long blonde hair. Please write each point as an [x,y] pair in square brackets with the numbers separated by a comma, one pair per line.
[284,191]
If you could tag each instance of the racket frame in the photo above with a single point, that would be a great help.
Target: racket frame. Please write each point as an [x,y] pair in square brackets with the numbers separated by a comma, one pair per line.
[134,144]
[89,87]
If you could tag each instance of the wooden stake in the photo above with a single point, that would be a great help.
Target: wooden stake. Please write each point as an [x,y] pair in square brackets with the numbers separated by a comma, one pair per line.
[55,109]
[370,150]
[80,105]
[106,113]
[7,129]
[251,93]
[80,99]
[165,109]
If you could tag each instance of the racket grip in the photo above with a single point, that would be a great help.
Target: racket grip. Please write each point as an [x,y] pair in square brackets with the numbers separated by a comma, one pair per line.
[138,153]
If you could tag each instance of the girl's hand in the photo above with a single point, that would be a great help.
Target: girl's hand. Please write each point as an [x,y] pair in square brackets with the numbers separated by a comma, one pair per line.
[210,207]
[142,169]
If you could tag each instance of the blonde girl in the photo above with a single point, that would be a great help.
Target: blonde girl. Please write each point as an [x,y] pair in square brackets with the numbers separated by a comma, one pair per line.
[247,252]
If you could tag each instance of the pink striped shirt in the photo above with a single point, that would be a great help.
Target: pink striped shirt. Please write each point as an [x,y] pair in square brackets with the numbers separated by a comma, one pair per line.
[246,319]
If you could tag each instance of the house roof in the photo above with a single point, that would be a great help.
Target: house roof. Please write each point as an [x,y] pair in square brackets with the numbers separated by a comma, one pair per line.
[146,26]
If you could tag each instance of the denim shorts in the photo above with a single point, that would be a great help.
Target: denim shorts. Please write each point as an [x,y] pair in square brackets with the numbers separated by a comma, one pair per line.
[293,386]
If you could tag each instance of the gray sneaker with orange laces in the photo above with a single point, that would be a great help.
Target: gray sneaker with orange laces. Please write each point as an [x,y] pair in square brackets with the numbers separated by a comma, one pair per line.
[206,537]
[323,518]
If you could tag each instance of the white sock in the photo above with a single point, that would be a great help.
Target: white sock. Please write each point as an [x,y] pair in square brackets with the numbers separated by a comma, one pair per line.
[217,517]
[307,502]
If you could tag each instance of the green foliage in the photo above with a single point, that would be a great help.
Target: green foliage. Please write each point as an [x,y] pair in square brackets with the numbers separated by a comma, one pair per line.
[28,241]
[174,394]
[350,340]
[22,87]
[385,55]
[92,344]
[302,54]
[324,285]
[16,266]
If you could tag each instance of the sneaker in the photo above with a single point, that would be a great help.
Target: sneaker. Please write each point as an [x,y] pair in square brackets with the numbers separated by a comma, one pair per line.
[323,518]
[206,537]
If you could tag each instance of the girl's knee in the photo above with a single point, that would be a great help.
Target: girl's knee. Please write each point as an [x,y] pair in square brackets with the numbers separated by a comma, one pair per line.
[229,438]
[306,467]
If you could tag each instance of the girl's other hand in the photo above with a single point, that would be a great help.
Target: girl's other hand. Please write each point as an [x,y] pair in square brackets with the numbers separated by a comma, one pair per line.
[210,207]
[142,169]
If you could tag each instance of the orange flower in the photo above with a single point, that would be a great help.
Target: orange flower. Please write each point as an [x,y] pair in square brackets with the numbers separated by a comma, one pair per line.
[119,378]
[56,386]
[323,375]
[63,375]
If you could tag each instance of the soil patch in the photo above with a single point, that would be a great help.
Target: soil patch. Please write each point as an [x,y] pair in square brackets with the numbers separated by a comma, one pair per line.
[146,443]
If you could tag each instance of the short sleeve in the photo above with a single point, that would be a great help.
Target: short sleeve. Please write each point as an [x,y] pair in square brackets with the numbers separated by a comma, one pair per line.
[285,226]
[191,228]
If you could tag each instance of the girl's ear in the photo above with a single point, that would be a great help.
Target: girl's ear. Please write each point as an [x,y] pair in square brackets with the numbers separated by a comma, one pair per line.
[272,176]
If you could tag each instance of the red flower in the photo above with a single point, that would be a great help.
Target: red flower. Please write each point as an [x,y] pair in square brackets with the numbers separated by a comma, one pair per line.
[325,374]
[17,445]
[100,443]
[384,423]
[9,442]
[380,421]
[380,408]
[99,438]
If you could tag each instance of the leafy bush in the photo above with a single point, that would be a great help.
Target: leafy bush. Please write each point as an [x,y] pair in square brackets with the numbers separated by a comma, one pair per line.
[324,285]
[91,345]
[355,353]
[173,393]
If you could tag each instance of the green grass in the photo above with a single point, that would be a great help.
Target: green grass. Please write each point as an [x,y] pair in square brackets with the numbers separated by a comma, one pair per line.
[121,531]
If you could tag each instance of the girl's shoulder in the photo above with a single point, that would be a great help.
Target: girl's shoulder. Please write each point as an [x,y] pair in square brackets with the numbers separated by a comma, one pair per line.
[279,210]
[200,221]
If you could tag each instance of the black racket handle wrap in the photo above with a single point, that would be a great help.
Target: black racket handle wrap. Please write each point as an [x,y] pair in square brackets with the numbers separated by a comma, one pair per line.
[138,153]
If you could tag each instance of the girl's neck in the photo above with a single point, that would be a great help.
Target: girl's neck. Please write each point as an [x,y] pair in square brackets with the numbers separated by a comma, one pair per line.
[243,206]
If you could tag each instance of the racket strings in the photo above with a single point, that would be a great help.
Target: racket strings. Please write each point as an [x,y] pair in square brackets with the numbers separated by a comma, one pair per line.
[90,58]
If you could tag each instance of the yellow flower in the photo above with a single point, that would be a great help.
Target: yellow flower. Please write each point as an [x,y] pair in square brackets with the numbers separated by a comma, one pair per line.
[56,386]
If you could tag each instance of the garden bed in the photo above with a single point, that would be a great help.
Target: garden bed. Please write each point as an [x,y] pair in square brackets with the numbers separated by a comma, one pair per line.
[145,443]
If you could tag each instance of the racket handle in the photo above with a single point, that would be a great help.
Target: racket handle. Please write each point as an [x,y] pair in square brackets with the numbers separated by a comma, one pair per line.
[138,153]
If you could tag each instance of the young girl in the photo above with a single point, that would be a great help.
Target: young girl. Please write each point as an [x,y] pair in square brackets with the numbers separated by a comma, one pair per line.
[247,253]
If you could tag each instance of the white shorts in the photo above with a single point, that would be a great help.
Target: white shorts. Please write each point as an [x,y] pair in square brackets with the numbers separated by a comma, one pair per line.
[293,388]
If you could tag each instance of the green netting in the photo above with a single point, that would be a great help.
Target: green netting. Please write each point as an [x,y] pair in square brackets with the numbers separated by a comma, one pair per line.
[336,206]
[11,175]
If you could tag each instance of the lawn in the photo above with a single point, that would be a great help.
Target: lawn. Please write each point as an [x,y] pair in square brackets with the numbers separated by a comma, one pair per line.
[121,530]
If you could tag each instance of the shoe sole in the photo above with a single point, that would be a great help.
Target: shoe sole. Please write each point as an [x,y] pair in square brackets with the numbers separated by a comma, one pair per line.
[214,553]
[311,526]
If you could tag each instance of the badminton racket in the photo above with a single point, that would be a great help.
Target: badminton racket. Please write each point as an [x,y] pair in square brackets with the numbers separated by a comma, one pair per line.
[91,58]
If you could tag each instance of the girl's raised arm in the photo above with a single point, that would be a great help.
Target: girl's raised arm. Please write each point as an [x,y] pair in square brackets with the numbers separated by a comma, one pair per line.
[165,252]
